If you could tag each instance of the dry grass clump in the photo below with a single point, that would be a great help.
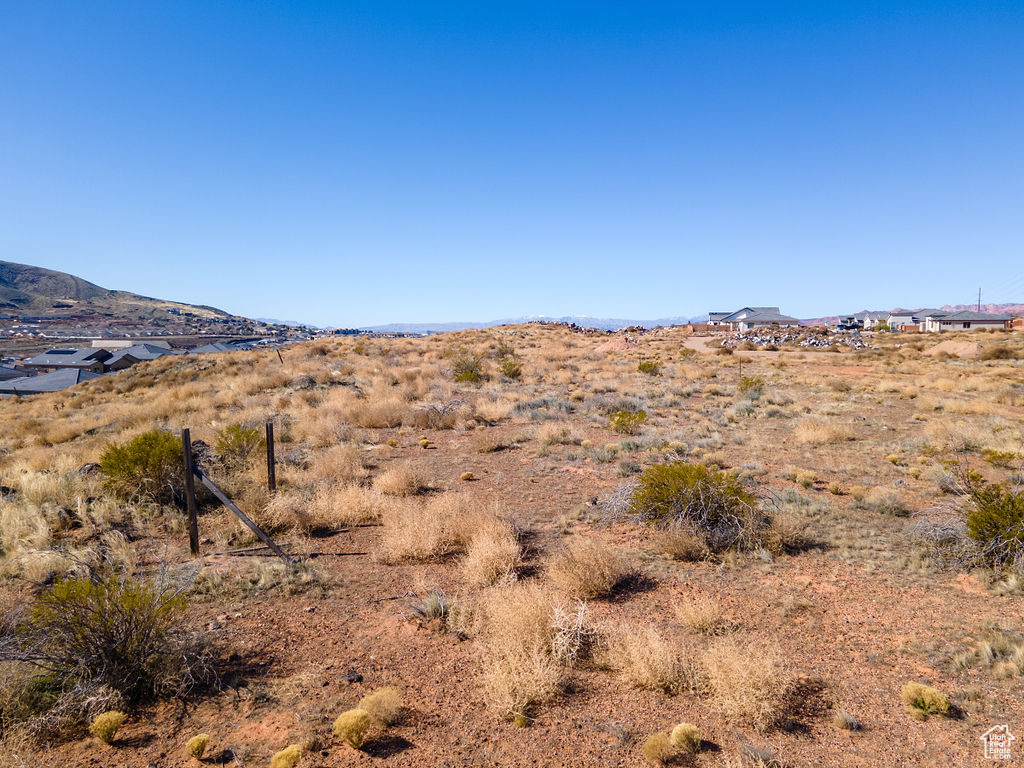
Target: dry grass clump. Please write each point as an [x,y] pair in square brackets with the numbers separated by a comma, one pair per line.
[680,543]
[344,463]
[557,434]
[646,660]
[493,555]
[518,636]
[399,481]
[588,568]
[818,431]
[338,506]
[376,414]
[701,614]
[383,705]
[748,681]
[686,738]
[351,727]
[417,529]
[920,701]
[658,748]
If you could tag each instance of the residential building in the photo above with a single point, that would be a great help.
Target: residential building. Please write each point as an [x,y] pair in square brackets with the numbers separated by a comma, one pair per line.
[54,381]
[751,317]
[965,321]
[84,359]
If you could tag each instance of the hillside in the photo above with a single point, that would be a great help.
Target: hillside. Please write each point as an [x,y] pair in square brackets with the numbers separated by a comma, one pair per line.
[28,289]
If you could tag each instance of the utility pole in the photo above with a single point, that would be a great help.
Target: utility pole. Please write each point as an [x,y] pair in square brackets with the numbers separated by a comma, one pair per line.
[979,299]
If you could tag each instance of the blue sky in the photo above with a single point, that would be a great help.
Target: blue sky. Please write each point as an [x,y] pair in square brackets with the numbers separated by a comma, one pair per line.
[350,163]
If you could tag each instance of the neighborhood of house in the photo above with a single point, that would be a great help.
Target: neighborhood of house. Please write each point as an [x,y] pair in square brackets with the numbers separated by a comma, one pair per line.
[915,320]
[60,368]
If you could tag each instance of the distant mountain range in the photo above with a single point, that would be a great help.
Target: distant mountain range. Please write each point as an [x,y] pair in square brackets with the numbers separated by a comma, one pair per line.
[601,323]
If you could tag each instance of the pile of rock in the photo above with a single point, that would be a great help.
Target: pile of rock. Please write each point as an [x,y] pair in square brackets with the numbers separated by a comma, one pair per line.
[820,338]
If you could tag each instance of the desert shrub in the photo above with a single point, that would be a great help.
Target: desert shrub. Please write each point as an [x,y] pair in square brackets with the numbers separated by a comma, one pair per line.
[437,527]
[115,632]
[646,660]
[844,721]
[492,555]
[196,746]
[517,634]
[439,415]
[627,422]
[287,758]
[749,681]
[510,368]
[588,568]
[467,366]
[751,387]
[920,701]
[238,442]
[399,481]
[557,434]
[701,614]
[886,501]
[818,431]
[998,352]
[383,705]
[149,466]
[543,408]
[106,725]
[995,522]
[650,368]
[686,738]
[351,727]
[658,748]
[713,504]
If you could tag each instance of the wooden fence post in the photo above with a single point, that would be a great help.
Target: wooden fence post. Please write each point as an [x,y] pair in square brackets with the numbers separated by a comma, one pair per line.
[271,464]
[190,492]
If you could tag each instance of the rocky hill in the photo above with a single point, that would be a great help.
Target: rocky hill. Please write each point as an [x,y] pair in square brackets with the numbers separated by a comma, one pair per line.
[26,289]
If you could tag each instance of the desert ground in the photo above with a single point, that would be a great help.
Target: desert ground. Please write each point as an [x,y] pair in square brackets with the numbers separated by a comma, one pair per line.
[468,550]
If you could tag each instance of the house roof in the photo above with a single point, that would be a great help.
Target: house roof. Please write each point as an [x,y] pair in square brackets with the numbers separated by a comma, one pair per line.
[6,372]
[221,346]
[54,381]
[923,313]
[745,312]
[69,357]
[967,315]
[142,352]
[769,318]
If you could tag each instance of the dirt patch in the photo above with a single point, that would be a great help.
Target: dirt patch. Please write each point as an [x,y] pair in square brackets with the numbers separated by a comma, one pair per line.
[966,350]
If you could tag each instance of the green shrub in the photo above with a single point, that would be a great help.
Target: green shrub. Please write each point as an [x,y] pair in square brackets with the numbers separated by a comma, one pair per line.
[467,366]
[920,701]
[510,368]
[627,422]
[995,522]
[122,634]
[149,466]
[650,368]
[711,503]
[751,387]
[238,442]
[105,726]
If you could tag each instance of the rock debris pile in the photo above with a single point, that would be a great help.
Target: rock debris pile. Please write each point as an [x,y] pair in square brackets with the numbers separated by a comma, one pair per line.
[799,337]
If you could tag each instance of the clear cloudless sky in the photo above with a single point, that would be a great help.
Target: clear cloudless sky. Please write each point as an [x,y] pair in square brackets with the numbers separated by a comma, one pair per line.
[350,163]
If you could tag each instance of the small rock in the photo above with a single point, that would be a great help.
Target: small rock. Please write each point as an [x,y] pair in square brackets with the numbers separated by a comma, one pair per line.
[351,676]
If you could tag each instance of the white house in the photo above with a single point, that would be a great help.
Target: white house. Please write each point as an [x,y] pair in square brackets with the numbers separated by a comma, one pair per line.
[965,321]
[751,317]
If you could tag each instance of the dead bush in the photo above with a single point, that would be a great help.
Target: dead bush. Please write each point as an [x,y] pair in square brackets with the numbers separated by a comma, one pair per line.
[748,681]
[646,660]
[399,481]
[588,568]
